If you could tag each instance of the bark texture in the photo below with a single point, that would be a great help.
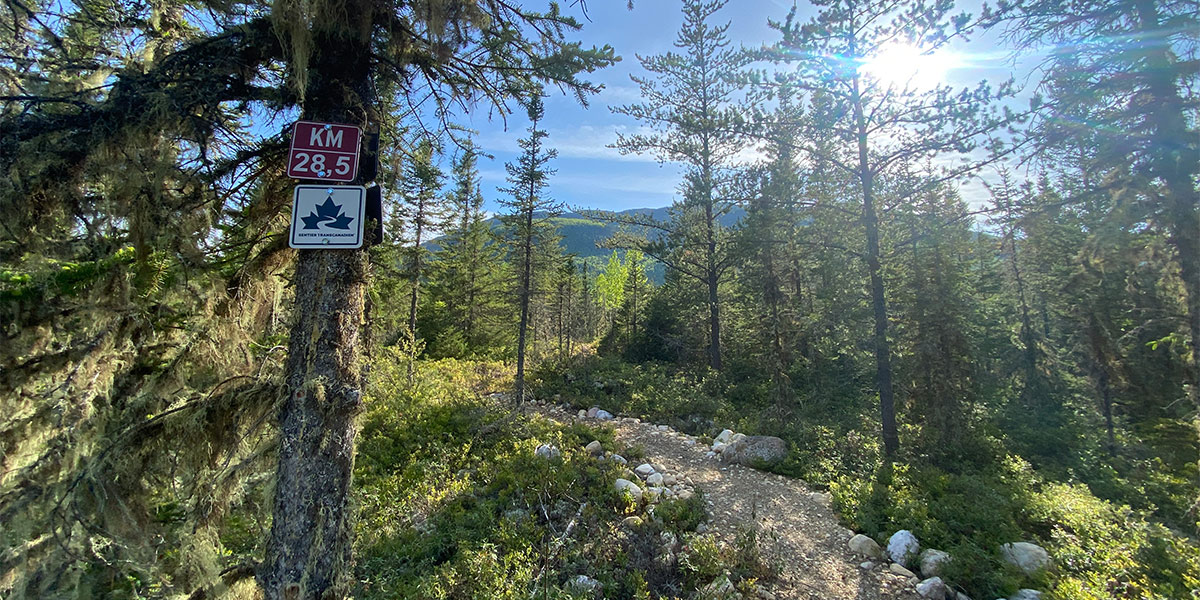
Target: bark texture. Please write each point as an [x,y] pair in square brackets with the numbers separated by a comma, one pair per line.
[308,551]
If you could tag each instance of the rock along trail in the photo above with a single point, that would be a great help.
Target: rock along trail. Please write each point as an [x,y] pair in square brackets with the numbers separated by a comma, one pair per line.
[798,531]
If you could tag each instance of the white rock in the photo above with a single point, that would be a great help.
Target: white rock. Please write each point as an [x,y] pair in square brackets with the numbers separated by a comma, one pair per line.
[735,438]
[866,565]
[594,448]
[582,413]
[623,485]
[962,596]
[684,494]
[933,561]
[547,451]
[1026,594]
[724,436]
[583,583]
[702,528]
[669,479]
[710,454]
[1028,557]
[591,412]
[604,415]
[720,589]
[655,479]
[668,492]
[689,442]
[617,458]
[902,547]
[896,569]
[719,447]
[644,469]
[933,588]
[865,546]
[663,428]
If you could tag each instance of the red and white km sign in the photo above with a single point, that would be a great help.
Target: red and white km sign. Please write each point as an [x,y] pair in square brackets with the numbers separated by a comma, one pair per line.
[324,151]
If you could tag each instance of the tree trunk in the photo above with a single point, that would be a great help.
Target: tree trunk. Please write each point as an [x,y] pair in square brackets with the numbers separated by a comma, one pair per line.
[883,350]
[308,550]
[524,292]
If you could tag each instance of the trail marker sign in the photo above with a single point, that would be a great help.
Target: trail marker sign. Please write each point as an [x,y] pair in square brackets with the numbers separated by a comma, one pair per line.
[328,216]
[324,151]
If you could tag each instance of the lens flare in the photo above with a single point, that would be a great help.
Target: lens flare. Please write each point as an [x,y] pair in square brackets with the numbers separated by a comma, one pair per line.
[906,66]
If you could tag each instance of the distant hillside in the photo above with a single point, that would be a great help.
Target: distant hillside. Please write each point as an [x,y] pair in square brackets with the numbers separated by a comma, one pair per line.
[582,236]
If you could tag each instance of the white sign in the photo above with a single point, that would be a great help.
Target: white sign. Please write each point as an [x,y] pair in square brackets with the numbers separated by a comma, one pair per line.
[328,216]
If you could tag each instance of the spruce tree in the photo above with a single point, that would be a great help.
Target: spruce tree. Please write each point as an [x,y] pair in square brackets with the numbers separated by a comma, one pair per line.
[527,221]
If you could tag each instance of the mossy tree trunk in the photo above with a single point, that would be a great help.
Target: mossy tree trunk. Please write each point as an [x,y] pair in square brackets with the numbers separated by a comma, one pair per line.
[308,552]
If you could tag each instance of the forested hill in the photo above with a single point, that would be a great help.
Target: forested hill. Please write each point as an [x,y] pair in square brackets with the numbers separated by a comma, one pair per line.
[585,235]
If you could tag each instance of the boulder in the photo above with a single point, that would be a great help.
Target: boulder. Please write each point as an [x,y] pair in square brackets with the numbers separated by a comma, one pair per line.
[866,565]
[1026,594]
[582,413]
[1027,556]
[591,412]
[932,562]
[756,451]
[896,569]
[617,458]
[669,479]
[644,470]
[902,547]
[604,415]
[625,485]
[720,589]
[594,448]
[865,546]
[719,447]
[737,437]
[655,479]
[933,588]
[632,522]
[547,451]
[724,436]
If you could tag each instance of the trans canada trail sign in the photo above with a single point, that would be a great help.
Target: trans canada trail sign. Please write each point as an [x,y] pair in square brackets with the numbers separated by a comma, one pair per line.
[328,216]
[324,151]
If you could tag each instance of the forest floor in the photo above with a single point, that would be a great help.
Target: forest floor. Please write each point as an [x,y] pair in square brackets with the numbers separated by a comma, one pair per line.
[798,532]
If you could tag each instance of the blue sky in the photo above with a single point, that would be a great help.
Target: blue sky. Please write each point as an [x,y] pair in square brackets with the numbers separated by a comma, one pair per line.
[594,176]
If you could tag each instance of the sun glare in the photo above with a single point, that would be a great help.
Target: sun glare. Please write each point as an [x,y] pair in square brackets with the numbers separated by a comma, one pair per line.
[902,65]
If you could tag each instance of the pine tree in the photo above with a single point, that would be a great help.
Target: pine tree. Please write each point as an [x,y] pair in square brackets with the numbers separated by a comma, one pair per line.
[687,104]
[884,127]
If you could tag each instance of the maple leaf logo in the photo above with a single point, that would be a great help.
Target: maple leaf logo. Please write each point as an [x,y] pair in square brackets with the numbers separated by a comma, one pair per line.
[328,213]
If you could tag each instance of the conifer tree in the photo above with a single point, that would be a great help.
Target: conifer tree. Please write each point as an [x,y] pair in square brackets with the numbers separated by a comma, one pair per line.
[883,126]
[421,209]
[147,148]
[1125,84]
[530,208]
[686,103]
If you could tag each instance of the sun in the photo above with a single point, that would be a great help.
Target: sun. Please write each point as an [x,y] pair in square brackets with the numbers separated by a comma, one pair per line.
[906,66]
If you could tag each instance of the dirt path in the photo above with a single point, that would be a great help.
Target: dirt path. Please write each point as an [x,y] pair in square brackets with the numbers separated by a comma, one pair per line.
[798,530]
